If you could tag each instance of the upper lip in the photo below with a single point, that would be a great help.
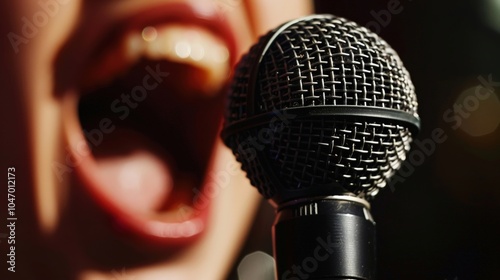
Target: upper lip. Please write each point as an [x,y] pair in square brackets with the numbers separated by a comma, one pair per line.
[93,37]
[90,39]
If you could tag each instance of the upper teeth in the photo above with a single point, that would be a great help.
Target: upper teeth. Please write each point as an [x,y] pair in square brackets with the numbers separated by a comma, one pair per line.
[182,44]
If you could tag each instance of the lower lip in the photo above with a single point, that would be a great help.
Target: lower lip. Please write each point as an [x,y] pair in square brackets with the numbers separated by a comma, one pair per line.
[157,232]
[151,229]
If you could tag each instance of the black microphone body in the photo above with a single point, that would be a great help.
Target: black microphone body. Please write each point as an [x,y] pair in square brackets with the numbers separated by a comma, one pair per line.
[321,114]
[325,238]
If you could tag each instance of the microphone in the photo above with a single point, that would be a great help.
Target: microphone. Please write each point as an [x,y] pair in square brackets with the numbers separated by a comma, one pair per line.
[321,113]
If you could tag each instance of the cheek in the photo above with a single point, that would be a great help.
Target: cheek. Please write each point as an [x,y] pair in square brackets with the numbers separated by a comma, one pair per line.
[35,36]
[266,15]
[39,27]
[237,16]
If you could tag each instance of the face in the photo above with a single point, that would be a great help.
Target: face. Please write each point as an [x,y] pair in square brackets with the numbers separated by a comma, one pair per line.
[113,113]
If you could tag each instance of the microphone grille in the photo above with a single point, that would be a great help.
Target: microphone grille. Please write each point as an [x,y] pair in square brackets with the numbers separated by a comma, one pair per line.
[326,60]
[320,61]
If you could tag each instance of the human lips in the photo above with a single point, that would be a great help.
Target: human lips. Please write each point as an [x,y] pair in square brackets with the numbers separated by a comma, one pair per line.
[149,107]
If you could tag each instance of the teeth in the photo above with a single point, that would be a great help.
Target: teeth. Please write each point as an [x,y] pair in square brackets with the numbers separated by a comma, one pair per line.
[176,43]
[191,46]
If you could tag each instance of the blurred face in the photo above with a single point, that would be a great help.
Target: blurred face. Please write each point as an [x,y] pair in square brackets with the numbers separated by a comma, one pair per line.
[113,112]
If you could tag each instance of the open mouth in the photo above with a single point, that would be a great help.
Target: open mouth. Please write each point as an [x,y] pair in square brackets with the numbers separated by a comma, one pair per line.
[149,106]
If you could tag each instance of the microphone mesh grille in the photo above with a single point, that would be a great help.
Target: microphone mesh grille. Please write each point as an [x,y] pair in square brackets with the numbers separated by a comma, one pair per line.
[329,61]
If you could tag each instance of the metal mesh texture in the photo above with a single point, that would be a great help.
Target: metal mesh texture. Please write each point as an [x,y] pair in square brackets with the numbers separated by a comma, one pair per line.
[322,61]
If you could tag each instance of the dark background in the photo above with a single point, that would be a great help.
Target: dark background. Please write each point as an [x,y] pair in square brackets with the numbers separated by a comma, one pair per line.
[443,221]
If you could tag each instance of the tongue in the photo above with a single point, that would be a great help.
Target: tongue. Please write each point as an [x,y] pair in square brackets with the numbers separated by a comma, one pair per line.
[134,172]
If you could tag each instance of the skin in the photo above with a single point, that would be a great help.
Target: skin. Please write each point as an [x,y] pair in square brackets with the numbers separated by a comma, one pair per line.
[57,238]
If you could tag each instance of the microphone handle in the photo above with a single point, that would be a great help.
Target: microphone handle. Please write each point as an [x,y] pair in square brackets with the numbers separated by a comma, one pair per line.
[325,238]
